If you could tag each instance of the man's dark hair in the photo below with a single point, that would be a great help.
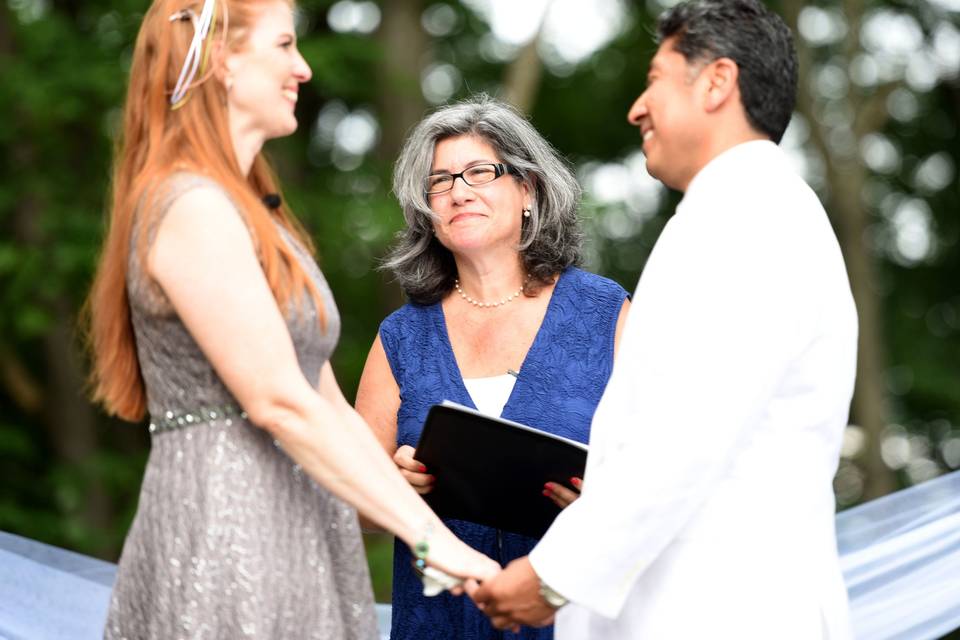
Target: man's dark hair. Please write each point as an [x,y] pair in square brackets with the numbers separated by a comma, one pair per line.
[752,36]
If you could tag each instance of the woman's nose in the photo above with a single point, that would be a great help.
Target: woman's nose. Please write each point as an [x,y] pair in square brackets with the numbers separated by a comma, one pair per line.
[302,70]
[460,189]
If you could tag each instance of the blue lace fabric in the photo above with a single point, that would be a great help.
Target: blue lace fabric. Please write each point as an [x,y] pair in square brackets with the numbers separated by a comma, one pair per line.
[557,390]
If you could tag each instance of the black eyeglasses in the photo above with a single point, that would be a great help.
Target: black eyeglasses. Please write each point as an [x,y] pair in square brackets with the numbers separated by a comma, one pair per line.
[475,176]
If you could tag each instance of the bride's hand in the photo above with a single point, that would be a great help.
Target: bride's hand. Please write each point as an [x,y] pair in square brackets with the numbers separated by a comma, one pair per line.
[452,556]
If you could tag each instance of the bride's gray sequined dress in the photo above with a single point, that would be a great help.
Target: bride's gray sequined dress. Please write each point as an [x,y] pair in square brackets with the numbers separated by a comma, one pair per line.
[231,539]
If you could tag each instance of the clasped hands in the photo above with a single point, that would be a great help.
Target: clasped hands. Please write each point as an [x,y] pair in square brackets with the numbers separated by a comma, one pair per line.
[512,597]
[509,597]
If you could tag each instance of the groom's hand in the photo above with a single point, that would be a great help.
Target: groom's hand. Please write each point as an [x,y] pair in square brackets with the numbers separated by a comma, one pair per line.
[512,597]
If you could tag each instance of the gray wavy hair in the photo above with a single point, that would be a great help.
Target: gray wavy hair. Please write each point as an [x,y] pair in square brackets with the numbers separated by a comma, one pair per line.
[550,239]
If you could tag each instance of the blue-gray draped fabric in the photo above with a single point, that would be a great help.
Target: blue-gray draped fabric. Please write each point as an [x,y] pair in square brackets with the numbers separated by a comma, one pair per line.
[900,557]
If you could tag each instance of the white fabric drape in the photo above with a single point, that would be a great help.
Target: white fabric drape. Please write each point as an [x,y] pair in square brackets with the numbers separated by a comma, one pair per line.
[900,556]
[46,592]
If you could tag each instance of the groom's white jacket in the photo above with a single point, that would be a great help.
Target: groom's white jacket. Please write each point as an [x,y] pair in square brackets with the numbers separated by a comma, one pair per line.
[707,508]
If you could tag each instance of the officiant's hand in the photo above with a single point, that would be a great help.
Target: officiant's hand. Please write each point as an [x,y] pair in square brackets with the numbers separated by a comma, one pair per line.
[411,469]
[561,495]
[512,597]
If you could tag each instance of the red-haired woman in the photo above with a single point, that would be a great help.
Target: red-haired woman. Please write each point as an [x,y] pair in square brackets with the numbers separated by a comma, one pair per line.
[209,314]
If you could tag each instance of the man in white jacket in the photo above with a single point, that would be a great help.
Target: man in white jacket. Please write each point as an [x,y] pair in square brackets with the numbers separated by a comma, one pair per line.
[707,508]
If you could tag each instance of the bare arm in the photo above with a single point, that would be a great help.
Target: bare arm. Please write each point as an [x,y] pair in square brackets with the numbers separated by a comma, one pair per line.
[204,260]
[378,397]
[378,400]
[621,320]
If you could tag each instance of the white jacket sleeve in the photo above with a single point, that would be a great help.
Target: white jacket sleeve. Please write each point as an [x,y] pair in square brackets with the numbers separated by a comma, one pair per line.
[715,321]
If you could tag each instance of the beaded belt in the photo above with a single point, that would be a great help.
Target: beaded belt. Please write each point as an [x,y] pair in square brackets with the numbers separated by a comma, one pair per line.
[170,420]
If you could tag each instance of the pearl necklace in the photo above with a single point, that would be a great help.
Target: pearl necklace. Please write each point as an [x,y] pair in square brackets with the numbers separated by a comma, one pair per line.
[477,303]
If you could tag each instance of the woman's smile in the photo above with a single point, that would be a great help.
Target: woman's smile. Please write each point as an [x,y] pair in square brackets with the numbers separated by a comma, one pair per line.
[466,216]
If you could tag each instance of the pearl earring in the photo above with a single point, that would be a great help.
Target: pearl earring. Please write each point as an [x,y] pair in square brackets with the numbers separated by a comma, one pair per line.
[526,212]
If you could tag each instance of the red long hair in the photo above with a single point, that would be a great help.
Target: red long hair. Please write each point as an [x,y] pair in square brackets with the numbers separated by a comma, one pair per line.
[155,142]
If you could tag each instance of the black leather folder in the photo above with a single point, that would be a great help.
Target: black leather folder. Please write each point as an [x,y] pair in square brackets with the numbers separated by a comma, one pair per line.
[492,471]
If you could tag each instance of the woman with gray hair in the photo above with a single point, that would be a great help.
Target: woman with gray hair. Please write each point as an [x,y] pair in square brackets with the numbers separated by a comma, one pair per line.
[499,318]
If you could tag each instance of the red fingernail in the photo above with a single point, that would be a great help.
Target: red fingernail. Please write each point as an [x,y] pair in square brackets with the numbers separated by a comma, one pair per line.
[575,482]
[546,493]
[422,468]
[547,486]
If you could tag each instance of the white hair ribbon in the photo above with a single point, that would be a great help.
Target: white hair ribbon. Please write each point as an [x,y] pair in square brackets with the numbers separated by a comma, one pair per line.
[201,27]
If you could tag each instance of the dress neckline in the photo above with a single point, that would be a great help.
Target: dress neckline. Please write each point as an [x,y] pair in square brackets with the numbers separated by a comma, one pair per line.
[532,353]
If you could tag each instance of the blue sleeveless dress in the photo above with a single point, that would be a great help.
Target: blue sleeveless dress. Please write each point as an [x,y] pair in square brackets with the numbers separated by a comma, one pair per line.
[557,390]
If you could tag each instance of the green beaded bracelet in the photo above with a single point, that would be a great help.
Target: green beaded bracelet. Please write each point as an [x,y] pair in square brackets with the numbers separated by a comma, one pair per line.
[420,551]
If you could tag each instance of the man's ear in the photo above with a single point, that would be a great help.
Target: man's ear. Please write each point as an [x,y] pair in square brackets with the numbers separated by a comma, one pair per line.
[722,76]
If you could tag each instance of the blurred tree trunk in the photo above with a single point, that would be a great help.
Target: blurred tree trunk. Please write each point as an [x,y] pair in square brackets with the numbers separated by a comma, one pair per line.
[405,49]
[69,420]
[17,381]
[521,82]
[846,176]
